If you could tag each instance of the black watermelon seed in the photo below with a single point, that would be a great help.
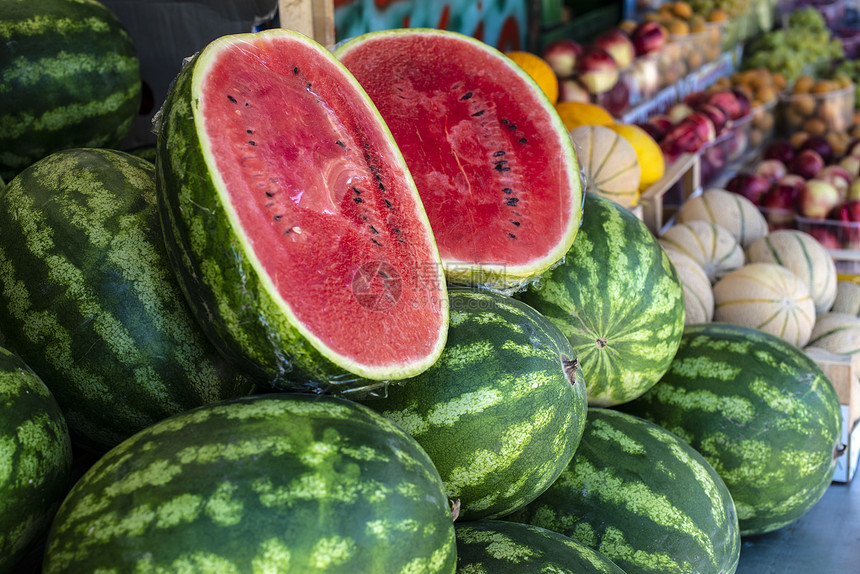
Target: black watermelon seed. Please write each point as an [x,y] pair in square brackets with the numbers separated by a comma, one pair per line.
[523,140]
[340,143]
[512,236]
[376,242]
[512,127]
[466,96]
[517,223]
[504,121]
[252,142]
[278,217]
[249,131]
[308,86]
[381,187]
[501,167]
[295,69]
[373,229]
[499,153]
[356,190]
[479,113]
[270,194]
[507,190]
[387,203]
[357,199]
[247,105]
[397,230]
[232,99]
[511,201]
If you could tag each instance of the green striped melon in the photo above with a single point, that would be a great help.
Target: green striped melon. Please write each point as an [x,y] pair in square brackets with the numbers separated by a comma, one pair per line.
[643,498]
[760,411]
[847,298]
[837,333]
[492,160]
[804,256]
[69,77]
[698,294]
[708,244]
[292,221]
[618,300]
[283,482]
[502,410]
[88,300]
[769,297]
[731,211]
[35,459]
[504,547]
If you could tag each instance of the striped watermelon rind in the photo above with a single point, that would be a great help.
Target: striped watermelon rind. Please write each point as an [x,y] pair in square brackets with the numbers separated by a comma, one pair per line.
[35,459]
[619,301]
[71,80]
[88,300]
[503,547]
[643,498]
[760,410]
[237,302]
[502,410]
[284,482]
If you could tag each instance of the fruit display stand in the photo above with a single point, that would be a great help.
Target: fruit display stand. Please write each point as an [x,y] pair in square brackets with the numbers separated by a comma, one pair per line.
[314,18]
[659,202]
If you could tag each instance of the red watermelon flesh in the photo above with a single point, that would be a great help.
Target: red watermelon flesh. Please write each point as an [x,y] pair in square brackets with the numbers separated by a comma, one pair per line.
[490,157]
[323,208]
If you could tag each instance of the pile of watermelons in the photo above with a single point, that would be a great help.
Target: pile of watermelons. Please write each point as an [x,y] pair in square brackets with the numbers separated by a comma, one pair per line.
[357,316]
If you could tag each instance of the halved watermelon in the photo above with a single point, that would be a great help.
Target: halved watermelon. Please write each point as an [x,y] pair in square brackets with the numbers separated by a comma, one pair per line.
[291,218]
[491,157]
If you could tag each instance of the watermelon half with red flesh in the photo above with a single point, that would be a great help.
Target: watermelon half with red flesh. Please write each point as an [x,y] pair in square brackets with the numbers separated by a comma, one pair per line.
[492,160]
[291,218]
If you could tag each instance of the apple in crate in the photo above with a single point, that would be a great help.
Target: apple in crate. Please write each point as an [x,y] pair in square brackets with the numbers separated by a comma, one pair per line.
[571,90]
[778,202]
[561,55]
[838,176]
[817,198]
[618,44]
[596,69]
[780,149]
[648,37]
[819,144]
[772,169]
[688,136]
[848,214]
[751,185]
[825,237]
[616,99]
[852,164]
[806,163]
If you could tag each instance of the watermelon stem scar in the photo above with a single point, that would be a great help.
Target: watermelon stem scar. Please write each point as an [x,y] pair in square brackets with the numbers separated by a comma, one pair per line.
[570,367]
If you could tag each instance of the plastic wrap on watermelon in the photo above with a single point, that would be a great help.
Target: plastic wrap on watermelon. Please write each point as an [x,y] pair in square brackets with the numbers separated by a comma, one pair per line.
[292,221]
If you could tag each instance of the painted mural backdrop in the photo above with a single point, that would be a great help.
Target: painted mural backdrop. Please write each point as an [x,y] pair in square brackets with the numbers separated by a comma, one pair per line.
[499,23]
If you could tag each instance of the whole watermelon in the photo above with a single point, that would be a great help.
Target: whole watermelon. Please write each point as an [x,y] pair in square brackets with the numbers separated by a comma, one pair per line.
[271,483]
[35,459]
[618,299]
[88,301]
[502,410]
[762,413]
[503,547]
[643,498]
[70,78]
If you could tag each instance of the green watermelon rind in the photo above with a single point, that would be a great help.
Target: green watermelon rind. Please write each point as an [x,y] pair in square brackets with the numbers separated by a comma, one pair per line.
[284,482]
[88,301]
[618,299]
[504,547]
[746,400]
[238,306]
[642,497]
[506,279]
[498,412]
[72,80]
[35,459]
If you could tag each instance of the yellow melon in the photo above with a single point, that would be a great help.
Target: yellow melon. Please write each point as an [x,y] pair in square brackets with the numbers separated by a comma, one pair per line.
[837,333]
[805,257]
[768,297]
[576,114]
[652,165]
[732,211]
[708,244]
[698,296]
[608,163]
[540,71]
[847,298]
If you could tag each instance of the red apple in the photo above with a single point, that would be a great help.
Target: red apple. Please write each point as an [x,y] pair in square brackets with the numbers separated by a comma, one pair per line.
[688,136]
[596,69]
[806,163]
[679,111]
[838,176]
[778,205]
[615,99]
[648,37]
[817,198]
[716,114]
[662,123]
[728,101]
[780,149]
[561,55]
[773,169]
[570,90]
[753,186]
[646,76]
[819,144]
[848,214]
[825,237]
[618,44]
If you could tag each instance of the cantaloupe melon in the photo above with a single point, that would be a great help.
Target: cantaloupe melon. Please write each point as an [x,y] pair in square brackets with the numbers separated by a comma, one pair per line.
[609,163]
[837,333]
[698,295]
[847,298]
[805,257]
[768,297]
[708,244]
[732,211]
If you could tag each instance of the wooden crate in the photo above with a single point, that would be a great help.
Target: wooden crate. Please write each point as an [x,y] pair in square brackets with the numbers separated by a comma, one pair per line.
[313,18]
[663,198]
